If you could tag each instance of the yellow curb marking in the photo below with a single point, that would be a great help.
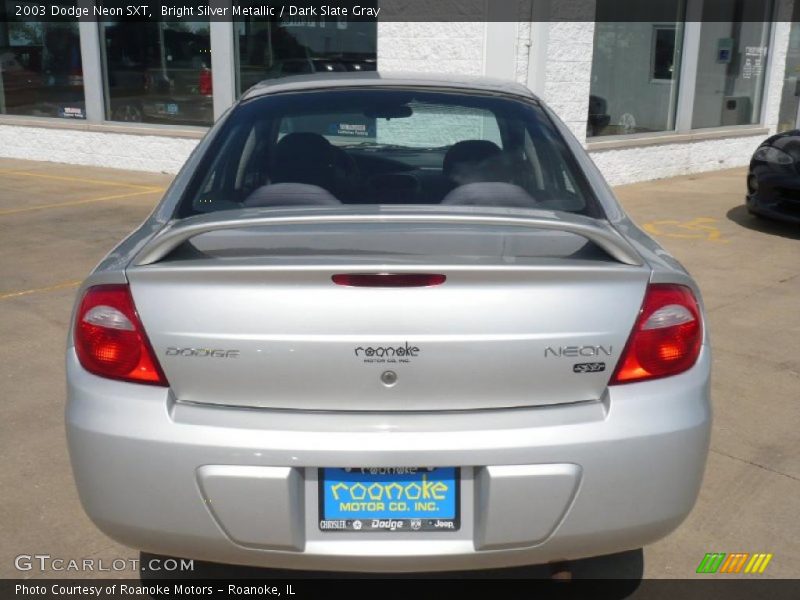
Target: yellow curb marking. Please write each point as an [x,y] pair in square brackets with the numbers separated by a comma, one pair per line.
[13,211]
[50,288]
[35,175]
[701,228]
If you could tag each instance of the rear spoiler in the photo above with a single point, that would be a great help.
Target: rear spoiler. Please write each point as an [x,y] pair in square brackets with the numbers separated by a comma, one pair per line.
[179,231]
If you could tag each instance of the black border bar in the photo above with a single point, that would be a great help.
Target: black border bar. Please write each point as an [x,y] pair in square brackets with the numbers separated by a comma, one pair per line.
[390,588]
[299,11]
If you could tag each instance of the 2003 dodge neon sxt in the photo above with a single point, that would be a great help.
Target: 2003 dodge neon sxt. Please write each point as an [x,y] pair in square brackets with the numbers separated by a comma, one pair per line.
[388,324]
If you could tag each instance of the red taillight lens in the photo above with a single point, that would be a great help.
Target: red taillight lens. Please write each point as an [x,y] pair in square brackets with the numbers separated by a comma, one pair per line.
[666,337]
[389,279]
[110,340]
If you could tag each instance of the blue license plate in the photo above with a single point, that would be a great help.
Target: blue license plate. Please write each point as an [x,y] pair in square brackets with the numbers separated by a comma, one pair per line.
[389,499]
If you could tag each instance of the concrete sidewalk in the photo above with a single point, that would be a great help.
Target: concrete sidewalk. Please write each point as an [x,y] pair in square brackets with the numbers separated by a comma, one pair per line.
[57,221]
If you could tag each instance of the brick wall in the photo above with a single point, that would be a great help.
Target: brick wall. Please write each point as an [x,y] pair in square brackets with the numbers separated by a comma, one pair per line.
[120,151]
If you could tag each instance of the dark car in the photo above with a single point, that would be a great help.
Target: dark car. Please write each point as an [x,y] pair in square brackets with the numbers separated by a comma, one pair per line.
[773,182]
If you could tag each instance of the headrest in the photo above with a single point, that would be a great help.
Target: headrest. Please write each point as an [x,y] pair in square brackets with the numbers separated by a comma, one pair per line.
[290,194]
[465,156]
[490,193]
[303,157]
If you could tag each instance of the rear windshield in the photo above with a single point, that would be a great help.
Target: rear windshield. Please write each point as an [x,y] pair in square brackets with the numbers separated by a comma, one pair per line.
[388,146]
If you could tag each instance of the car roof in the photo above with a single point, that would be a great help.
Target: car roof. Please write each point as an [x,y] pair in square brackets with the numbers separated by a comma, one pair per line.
[318,81]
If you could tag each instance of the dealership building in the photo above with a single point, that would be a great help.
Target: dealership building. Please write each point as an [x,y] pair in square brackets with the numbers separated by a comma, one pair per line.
[648,98]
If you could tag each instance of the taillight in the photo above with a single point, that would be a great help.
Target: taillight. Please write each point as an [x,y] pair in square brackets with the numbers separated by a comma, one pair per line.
[666,337]
[110,340]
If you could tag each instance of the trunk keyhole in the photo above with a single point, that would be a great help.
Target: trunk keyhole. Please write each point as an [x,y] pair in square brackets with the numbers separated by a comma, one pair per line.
[389,378]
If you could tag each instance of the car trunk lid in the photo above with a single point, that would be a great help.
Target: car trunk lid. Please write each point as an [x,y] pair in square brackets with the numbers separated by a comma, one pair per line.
[254,318]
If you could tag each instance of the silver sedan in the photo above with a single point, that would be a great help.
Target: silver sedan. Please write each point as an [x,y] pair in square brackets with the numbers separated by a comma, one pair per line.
[388,324]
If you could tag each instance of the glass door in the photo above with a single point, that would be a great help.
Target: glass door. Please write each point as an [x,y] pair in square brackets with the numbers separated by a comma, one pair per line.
[789,116]
[731,63]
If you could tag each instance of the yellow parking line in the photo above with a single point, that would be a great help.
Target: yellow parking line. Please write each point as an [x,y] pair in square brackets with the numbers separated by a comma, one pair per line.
[13,211]
[700,228]
[35,175]
[49,288]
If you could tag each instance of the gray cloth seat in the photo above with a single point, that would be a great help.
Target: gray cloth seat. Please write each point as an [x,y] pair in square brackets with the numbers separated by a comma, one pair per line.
[490,193]
[290,194]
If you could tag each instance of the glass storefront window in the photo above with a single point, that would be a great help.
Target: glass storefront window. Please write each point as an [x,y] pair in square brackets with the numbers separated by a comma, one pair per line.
[789,113]
[732,64]
[635,71]
[40,68]
[268,49]
[158,72]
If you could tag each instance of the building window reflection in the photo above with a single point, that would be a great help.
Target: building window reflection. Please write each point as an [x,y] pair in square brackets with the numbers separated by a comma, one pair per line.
[635,70]
[41,74]
[731,64]
[158,72]
[268,49]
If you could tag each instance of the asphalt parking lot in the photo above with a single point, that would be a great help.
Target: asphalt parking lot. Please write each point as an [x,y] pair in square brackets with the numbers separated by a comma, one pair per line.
[57,221]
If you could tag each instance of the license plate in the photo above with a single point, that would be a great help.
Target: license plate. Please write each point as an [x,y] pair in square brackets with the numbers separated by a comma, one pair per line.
[389,499]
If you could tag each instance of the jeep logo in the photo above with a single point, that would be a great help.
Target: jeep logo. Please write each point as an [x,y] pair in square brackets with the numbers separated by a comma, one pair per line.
[576,351]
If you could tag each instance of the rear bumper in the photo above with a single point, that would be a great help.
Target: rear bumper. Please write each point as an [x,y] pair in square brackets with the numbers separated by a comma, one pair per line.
[239,486]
